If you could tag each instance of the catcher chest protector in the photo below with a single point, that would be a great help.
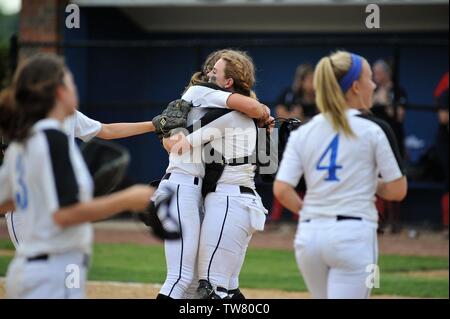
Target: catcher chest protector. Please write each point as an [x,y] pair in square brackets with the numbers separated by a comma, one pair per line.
[213,171]
[264,157]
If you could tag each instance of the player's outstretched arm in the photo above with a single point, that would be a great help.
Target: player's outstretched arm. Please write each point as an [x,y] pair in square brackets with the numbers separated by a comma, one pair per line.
[249,106]
[287,196]
[135,198]
[122,130]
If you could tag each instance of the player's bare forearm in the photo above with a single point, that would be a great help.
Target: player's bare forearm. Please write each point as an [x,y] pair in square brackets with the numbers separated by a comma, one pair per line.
[394,191]
[6,207]
[249,106]
[135,198]
[287,196]
[122,130]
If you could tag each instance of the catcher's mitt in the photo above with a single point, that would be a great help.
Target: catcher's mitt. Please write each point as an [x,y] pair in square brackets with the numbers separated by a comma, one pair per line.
[174,116]
[159,219]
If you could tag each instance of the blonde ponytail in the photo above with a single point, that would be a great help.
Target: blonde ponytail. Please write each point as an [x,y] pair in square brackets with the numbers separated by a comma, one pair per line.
[329,96]
[252,94]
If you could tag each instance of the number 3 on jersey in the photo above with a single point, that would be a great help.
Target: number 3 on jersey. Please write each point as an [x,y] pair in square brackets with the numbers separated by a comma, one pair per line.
[332,167]
[22,193]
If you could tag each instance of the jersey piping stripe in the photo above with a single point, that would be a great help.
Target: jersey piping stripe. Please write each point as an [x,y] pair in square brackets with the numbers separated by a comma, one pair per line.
[182,243]
[390,136]
[220,238]
[63,173]
[13,229]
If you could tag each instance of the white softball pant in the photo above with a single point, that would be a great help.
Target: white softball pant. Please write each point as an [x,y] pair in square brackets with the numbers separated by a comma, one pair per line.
[181,254]
[336,257]
[231,218]
[58,276]
[14,222]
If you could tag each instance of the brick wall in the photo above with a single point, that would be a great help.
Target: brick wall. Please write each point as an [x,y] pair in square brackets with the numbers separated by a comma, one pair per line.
[40,21]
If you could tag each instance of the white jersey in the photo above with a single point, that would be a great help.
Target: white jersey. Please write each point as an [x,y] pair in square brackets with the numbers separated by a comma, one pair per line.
[43,175]
[341,172]
[80,126]
[201,97]
[77,125]
[234,135]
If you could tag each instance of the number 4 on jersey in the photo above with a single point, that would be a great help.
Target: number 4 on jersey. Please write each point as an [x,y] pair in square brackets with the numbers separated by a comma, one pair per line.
[332,166]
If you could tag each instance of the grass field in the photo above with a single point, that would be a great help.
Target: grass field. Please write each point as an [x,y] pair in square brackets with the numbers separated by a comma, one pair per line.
[265,269]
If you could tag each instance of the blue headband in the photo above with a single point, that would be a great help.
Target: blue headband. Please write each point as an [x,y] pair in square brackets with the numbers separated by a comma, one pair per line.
[353,74]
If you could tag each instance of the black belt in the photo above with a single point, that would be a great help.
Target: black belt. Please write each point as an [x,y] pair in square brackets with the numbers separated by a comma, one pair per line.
[167,176]
[339,218]
[240,161]
[243,190]
[44,257]
[246,190]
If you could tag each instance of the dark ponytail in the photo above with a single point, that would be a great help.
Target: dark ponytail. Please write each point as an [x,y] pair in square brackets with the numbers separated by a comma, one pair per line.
[8,116]
[31,96]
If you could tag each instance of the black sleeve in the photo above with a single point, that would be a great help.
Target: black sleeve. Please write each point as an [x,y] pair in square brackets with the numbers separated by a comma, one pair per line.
[386,128]
[63,172]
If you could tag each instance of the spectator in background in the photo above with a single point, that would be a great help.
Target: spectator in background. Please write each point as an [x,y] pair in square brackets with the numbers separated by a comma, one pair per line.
[298,101]
[389,101]
[389,104]
[441,97]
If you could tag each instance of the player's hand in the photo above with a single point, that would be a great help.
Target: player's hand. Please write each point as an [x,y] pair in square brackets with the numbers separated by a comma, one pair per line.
[177,143]
[138,197]
[268,123]
[266,113]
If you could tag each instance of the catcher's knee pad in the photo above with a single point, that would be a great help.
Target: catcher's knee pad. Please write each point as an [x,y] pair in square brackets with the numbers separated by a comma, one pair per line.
[205,290]
[236,294]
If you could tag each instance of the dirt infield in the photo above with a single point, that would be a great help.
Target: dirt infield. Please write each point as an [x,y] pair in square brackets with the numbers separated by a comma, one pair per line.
[116,290]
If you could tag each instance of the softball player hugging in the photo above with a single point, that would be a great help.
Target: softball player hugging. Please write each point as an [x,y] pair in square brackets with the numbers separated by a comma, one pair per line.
[184,176]
[47,181]
[341,153]
[233,209]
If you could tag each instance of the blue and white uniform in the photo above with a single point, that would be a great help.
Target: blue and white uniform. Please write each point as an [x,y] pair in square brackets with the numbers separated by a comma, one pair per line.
[42,175]
[77,125]
[336,241]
